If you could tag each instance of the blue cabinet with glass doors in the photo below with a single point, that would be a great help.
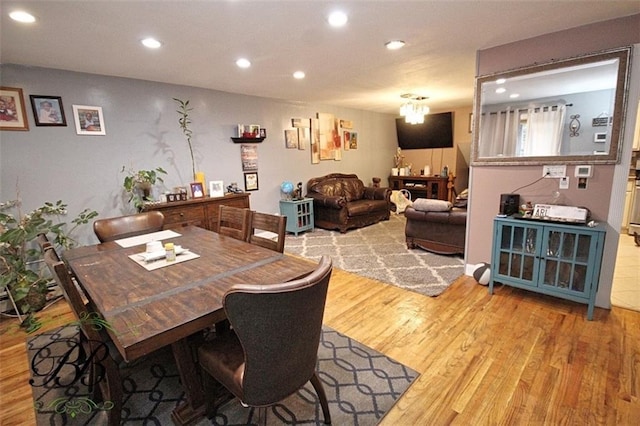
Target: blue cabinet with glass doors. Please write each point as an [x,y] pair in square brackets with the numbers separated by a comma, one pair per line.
[551,258]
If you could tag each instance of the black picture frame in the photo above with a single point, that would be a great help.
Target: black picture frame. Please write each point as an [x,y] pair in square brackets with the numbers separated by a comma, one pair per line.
[51,115]
[251,181]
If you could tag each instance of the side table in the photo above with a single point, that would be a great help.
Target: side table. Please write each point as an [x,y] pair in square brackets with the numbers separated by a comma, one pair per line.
[299,214]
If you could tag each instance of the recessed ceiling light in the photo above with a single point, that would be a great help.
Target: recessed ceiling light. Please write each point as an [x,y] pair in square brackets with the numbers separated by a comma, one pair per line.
[299,75]
[151,43]
[338,19]
[394,44]
[501,90]
[243,63]
[22,16]
[501,81]
[514,95]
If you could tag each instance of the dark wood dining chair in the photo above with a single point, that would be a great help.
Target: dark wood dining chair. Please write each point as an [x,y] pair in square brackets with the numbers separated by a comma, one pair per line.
[271,223]
[272,349]
[104,378]
[234,222]
[114,228]
[43,242]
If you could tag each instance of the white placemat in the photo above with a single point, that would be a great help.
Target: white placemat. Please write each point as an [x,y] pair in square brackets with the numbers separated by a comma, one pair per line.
[144,239]
[162,262]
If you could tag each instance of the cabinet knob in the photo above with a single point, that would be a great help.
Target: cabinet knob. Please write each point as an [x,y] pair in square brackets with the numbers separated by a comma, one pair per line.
[181,214]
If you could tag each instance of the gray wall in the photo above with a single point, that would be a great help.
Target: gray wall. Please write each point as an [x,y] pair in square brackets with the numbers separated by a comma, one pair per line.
[51,163]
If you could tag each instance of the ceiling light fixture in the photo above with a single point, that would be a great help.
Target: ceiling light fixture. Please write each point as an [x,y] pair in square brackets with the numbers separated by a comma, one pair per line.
[501,90]
[243,63]
[501,81]
[151,43]
[338,19]
[395,44]
[413,110]
[22,16]
[299,75]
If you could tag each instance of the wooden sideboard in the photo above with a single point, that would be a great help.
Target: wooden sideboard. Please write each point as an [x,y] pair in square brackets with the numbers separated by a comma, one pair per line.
[433,187]
[202,212]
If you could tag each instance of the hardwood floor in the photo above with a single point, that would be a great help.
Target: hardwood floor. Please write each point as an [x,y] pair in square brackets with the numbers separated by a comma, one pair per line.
[512,358]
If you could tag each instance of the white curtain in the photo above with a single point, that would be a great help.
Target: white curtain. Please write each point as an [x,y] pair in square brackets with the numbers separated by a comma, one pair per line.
[544,134]
[499,134]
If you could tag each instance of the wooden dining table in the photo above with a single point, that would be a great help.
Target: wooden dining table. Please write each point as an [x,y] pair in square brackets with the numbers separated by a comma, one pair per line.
[148,309]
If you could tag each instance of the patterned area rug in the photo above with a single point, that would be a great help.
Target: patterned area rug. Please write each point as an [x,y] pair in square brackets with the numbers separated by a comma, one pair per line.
[379,251]
[361,386]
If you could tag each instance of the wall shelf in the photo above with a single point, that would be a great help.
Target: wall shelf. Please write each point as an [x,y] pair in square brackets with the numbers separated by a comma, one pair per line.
[247,140]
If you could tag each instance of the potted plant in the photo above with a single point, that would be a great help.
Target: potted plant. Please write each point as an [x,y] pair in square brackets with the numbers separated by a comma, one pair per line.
[23,276]
[184,121]
[138,183]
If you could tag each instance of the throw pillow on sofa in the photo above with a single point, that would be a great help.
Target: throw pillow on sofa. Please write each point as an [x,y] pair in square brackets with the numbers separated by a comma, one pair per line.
[427,205]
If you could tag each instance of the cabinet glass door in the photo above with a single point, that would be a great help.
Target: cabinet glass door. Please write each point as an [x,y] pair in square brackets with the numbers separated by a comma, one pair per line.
[565,260]
[517,252]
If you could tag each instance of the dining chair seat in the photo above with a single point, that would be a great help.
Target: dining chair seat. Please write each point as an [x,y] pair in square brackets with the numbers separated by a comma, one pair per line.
[275,227]
[272,349]
[114,228]
[234,222]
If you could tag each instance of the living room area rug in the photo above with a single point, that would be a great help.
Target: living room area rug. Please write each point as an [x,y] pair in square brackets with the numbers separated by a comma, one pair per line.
[361,386]
[379,251]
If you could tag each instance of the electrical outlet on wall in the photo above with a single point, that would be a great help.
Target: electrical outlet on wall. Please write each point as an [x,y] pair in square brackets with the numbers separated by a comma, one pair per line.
[554,171]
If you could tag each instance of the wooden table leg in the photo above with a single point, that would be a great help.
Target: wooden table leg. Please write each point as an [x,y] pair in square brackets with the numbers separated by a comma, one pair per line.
[193,409]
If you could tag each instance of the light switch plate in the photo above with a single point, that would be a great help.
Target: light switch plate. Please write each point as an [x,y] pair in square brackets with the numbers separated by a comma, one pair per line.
[554,171]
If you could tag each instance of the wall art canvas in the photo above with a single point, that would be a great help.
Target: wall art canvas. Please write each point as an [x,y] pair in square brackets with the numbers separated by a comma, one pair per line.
[330,140]
[291,138]
[315,141]
[304,136]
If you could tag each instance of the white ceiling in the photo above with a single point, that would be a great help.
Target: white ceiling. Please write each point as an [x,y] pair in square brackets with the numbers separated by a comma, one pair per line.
[347,67]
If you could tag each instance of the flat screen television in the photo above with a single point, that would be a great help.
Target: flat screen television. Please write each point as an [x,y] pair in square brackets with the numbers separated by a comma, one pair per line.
[435,132]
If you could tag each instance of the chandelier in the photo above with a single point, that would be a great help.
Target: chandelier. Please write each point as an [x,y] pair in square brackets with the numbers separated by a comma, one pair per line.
[413,110]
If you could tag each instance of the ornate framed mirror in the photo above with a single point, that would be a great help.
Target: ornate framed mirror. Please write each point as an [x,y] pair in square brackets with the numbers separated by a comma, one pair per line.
[569,111]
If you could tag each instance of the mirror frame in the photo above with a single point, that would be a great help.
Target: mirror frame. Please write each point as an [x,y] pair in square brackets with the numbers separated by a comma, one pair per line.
[620,109]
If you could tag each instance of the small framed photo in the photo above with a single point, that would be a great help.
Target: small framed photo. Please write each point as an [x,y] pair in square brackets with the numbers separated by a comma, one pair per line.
[89,120]
[251,181]
[216,188]
[197,191]
[47,110]
[13,115]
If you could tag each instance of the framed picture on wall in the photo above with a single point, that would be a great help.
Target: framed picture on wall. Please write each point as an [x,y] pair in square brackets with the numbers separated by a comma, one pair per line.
[251,181]
[48,111]
[89,120]
[13,114]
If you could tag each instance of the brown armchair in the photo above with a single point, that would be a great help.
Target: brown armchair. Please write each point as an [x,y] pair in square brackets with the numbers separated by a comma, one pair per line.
[272,349]
[341,201]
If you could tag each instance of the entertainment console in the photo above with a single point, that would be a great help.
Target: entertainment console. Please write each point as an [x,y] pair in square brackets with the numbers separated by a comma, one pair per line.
[432,187]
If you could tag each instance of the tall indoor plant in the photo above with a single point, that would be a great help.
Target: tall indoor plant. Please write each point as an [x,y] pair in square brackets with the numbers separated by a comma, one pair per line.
[184,121]
[23,276]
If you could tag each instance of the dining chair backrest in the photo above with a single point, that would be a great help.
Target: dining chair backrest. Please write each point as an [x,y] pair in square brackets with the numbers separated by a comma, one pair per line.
[43,242]
[114,228]
[97,346]
[271,223]
[279,327]
[234,222]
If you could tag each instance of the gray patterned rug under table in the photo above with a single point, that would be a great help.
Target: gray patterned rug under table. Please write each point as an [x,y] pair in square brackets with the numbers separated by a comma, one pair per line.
[379,251]
[361,386]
